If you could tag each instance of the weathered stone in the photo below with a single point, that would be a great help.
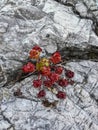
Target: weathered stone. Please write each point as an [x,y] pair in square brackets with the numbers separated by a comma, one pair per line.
[67,25]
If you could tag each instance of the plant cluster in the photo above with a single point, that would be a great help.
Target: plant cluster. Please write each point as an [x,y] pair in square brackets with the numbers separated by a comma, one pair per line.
[51,75]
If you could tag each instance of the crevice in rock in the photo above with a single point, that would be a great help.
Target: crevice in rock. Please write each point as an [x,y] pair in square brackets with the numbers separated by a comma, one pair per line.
[27,98]
[68,53]
[94,98]
[90,52]
[8,120]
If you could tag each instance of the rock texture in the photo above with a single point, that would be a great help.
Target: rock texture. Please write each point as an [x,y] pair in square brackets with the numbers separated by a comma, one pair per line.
[54,25]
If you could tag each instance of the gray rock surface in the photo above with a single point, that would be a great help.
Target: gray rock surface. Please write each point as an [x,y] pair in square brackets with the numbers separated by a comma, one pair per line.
[53,24]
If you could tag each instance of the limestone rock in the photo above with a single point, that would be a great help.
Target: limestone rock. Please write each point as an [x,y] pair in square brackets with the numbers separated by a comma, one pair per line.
[54,25]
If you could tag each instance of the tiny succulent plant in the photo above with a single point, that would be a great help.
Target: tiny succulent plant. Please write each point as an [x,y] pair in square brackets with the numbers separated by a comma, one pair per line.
[51,75]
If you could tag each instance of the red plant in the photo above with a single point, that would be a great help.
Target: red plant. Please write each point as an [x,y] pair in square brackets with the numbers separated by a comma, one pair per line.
[55,58]
[58,70]
[37,48]
[37,83]
[61,95]
[45,71]
[28,68]
[53,77]
[63,82]
[69,74]
[34,54]
[50,75]
[48,83]
[41,94]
